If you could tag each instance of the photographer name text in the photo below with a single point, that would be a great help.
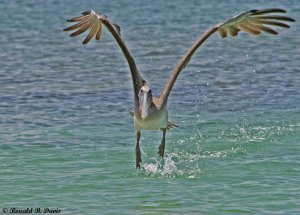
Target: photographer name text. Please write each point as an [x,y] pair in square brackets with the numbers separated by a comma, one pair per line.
[30,211]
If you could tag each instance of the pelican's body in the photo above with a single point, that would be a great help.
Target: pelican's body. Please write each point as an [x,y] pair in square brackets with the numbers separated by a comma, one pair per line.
[157,119]
[150,113]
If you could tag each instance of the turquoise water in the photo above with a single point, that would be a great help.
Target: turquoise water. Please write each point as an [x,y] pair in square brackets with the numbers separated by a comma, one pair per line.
[66,138]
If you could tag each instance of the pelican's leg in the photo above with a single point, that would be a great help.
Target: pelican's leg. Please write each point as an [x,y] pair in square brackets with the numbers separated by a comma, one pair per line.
[161,149]
[138,158]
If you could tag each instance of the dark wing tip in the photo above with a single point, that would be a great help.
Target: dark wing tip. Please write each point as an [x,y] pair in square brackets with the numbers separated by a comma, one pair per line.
[74,34]
[86,40]
[268,10]
[86,12]
[222,32]
[274,17]
[291,19]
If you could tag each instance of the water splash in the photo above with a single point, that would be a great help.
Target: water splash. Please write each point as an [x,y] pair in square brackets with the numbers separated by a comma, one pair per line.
[183,163]
[257,133]
[165,168]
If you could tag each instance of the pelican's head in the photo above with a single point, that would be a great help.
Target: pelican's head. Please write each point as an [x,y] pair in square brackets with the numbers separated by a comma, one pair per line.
[145,99]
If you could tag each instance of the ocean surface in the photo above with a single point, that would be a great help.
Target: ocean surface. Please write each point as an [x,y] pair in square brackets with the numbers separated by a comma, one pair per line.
[67,140]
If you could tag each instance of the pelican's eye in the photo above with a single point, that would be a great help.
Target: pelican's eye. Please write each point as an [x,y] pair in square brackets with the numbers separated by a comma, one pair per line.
[141,91]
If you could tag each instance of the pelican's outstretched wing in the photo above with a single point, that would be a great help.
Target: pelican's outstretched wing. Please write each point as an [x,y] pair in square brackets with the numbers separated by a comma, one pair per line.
[253,22]
[94,22]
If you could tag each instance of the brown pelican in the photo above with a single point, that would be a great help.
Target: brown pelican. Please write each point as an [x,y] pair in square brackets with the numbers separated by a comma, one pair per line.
[150,112]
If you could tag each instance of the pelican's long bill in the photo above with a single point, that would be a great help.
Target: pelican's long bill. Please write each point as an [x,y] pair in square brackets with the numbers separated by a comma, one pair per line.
[145,98]
[145,105]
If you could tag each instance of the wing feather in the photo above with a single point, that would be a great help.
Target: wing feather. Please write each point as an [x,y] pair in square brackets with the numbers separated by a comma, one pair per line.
[88,12]
[92,33]
[282,18]
[99,32]
[222,32]
[247,28]
[233,31]
[88,20]
[269,10]
[267,22]
[254,22]
[84,28]
[78,19]
[267,29]
[252,26]
[78,25]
